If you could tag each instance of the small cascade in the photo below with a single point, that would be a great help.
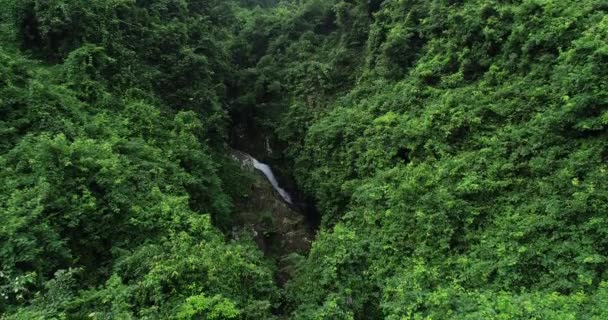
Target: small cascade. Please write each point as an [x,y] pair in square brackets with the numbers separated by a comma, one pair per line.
[265,169]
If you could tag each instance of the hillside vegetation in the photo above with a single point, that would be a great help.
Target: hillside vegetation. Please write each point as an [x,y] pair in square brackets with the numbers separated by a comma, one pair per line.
[456,151]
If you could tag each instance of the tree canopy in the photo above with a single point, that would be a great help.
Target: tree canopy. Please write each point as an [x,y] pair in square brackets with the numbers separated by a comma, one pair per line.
[456,151]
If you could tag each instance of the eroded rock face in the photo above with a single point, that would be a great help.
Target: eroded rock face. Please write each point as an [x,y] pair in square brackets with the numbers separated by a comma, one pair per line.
[277,227]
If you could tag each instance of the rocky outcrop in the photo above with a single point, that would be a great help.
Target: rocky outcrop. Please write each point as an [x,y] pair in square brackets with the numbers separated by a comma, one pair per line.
[278,228]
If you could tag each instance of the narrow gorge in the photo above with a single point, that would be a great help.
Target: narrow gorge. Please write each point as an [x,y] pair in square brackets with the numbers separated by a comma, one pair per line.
[303,159]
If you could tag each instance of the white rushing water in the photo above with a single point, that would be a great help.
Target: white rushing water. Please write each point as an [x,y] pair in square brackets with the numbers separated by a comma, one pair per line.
[265,169]
[273,181]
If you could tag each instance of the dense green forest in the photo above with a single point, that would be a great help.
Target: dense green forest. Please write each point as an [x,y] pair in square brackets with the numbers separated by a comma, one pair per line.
[455,154]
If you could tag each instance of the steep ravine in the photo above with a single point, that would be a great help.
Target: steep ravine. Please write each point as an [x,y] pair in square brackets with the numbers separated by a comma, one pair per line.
[268,214]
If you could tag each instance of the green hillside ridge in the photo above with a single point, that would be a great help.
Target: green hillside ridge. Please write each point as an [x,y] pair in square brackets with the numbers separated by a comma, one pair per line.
[456,152]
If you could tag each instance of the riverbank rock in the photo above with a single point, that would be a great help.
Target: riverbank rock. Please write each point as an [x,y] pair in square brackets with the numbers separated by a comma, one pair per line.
[278,228]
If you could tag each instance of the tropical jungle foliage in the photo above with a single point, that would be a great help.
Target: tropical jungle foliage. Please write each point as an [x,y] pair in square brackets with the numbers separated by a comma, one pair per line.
[457,152]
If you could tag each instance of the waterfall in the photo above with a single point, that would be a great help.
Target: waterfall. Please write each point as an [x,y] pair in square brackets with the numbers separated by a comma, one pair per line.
[265,169]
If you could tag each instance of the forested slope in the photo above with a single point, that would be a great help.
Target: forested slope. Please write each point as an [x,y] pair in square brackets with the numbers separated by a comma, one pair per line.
[111,114]
[457,152]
